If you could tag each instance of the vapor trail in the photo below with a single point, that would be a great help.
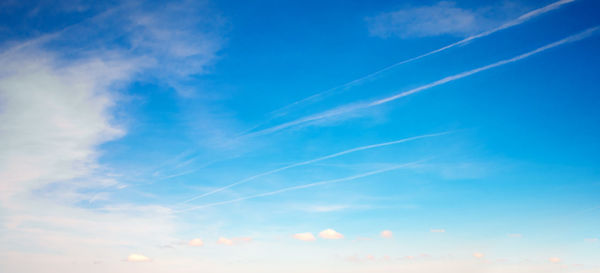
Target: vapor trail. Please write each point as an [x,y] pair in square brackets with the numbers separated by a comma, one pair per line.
[362,148]
[520,20]
[304,186]
[363,105]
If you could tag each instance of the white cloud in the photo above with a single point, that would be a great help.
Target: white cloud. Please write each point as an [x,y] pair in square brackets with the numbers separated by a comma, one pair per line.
[515,235]
[137,258]
[591,240]
[53,118]
[330,234]
[387,234]
[441,18]
[306,236]
[56,110]
[438,230]
[196,242]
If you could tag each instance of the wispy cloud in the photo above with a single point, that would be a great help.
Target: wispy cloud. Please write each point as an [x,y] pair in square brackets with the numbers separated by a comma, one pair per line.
[58,94]
[304,186]
[441,18]
[353,150]
[515,22]
[349,108]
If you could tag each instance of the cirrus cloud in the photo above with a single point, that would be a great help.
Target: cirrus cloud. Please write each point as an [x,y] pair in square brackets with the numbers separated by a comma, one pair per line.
[441,18]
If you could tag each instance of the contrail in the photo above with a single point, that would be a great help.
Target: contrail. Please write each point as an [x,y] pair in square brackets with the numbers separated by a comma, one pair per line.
[520,20]
[304,186]
[362,105]
[362,148]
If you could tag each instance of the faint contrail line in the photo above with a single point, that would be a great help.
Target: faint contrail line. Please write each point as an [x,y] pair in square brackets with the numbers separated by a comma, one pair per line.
[520,20]
[362,105]
[304,186]
[362,148]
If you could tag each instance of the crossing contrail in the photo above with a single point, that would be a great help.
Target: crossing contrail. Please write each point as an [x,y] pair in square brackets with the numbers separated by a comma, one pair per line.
[363,105]
[362,148]
[304,186]
[520,20]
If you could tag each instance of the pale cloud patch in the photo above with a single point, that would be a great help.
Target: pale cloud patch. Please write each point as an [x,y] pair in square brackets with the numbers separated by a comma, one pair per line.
[330,234]
[224,241]
[437,230]
[196,242]
[387,234]
[306,236]
[478,255]
[441,18]
[591,240]
[515,235]
[233,241]
[137,258]
[554,260]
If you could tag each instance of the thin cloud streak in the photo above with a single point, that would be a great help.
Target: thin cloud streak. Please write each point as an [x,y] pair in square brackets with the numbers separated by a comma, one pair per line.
[304,186]
[363,105]
[362,148]
[520,20]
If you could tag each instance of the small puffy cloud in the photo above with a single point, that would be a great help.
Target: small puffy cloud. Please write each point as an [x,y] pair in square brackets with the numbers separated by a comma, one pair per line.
[224,241]
[196,242]
[554,260]
[330,234]
[306,236]
[515,235]
[387,234]
[137,258]
[438,230]
[242,240]
[233,241]
[478,255]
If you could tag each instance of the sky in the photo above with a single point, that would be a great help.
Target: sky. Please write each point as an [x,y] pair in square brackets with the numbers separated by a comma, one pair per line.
[300,136]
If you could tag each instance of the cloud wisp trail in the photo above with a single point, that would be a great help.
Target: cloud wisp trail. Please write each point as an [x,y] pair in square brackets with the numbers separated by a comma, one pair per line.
[520,20]
[363,105]
[303,186]
[353,150]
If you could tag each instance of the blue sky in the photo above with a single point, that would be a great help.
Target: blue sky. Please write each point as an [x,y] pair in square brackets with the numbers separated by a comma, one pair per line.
[299,136]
